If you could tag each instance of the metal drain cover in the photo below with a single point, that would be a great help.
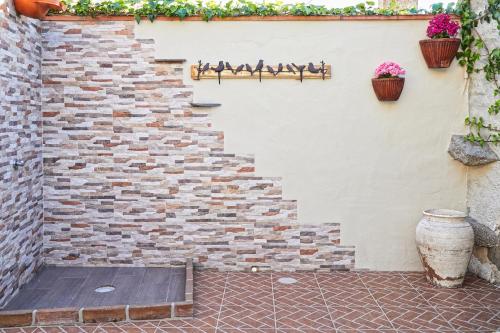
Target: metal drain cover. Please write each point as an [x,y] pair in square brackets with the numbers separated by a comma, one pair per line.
[104,289]
[287,280]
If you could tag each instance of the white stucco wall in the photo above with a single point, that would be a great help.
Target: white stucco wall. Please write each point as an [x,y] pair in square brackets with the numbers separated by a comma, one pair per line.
[346,157]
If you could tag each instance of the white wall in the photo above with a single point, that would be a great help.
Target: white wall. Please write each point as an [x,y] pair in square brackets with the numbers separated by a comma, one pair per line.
[345,156]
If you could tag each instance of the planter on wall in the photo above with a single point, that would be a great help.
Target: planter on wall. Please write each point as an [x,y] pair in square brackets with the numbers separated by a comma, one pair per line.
[439,53]
[37,8]
[444,242]
[388,89]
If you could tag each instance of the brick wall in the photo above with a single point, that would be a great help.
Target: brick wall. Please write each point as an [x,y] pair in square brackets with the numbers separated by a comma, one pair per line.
[134,176]
[20,137]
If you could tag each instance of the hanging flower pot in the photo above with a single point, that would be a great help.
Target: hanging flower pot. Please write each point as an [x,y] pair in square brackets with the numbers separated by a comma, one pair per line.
[441,48]
[37,8]
[387,82]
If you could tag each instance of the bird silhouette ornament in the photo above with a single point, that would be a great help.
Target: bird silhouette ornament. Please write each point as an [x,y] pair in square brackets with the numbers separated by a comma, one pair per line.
[239,69]
[260,67]
[203,69]
[301,70]
[219,69]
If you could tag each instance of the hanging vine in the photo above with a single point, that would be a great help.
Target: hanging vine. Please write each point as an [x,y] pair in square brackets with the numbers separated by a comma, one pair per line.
[476,57]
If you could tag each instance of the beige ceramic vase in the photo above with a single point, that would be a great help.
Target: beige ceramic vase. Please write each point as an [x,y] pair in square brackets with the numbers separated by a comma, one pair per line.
[445,241]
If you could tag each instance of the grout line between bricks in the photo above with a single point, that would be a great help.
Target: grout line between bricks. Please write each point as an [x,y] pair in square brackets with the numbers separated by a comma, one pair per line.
[324,301]
[274,304]
[378,304]
[222,302]
[430,304]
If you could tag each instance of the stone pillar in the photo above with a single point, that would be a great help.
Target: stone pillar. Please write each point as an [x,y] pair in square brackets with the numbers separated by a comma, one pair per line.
[399,4]
[483,183]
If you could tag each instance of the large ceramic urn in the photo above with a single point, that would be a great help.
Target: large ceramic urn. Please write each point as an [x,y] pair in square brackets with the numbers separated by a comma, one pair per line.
[445,241]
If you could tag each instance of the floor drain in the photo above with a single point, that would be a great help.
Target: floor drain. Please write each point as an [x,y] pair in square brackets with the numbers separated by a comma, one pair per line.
[287,280]
[104,289]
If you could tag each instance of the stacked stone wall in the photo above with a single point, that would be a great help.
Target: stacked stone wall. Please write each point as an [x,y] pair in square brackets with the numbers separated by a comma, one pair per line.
[135,176]
[21,139]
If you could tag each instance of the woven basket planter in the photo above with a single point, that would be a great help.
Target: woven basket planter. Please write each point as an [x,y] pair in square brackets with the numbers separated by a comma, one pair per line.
[439,53]
[37,8]
[388,89]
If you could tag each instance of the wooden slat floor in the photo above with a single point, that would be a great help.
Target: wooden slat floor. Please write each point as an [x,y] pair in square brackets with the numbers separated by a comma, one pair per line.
[61,287]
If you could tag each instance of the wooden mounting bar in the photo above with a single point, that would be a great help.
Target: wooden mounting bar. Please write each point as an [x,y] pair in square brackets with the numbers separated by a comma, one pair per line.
[227,74]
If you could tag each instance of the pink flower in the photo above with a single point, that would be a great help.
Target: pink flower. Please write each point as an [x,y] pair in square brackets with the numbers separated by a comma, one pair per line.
[441,26]
[389,69]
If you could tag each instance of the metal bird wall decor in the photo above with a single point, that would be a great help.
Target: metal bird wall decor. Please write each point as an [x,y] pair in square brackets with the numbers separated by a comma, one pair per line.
[224,70]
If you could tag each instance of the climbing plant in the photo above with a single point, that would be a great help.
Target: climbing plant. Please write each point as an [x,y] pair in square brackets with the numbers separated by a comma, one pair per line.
[476,57]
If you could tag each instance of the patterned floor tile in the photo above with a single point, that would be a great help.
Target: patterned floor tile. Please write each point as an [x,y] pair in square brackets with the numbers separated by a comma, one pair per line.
[304,318]
[358,318]
[303,330]
[489,298]
[450,298]
[336,280]
[346,330]
[186,330]
[211,279]
[262,281]
[298,297]
[384,280]
[72,329]
[248,297]
[418,281]
[467,319]
[304,280]
[246,330]
[349,297]
[208,295]
[399,298]
[473,282]
[418,319]
[246,317]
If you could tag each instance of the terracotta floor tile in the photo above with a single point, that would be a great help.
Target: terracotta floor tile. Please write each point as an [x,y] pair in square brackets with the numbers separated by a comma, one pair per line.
[186,330]
[349,297]
[303,318]
[384,280]
[450,298]
[347,330]
[489,298]
[338,280]
[72,329]
[303,330]
[298,297]
[248,297]
[55,329]
[246,317]
[476,319]
[418,281]
[209,279]
[304,280]
[358,318]
[399,298]
[248,306]
[262,281]
[207,295]
[246,330]
[473,282]
[413,318]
